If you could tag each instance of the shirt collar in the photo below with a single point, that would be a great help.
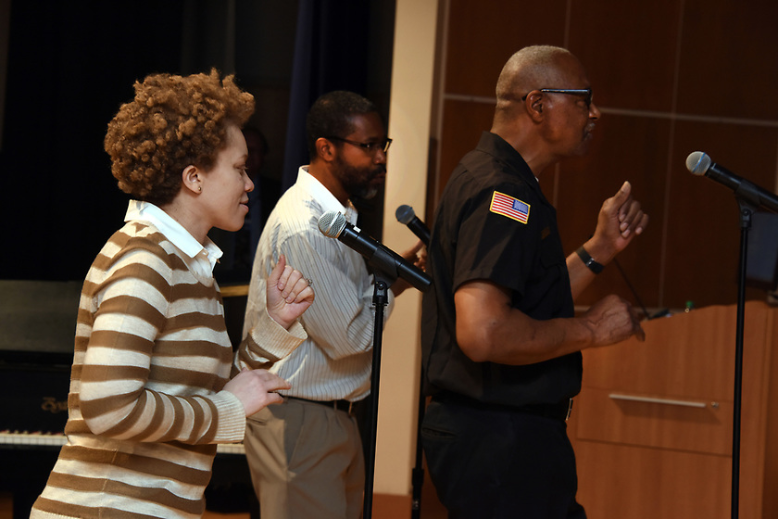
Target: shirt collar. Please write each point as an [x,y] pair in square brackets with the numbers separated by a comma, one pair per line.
[324,196]
[148,213]
[497,147]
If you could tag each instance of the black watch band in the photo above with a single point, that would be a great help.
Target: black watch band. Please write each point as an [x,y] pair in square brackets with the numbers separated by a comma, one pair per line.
[592,265]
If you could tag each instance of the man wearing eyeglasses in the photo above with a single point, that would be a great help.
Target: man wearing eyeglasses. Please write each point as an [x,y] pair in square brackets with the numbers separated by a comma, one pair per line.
[305,455]
[501,344]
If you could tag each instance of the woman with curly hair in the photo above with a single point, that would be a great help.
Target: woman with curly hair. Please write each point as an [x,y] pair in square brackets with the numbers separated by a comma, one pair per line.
[151,394]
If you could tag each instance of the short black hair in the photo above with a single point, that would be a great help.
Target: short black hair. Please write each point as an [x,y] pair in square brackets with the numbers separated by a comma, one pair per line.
[331,115]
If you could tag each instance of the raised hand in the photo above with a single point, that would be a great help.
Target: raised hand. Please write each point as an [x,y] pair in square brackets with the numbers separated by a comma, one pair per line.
[288,293]
[416,255]
[620,219]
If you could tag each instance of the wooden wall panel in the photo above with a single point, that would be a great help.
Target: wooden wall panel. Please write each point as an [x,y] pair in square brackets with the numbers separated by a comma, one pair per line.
[629,52]
[462,126]
[728,59]
[630,465]
[483,35]
[769,507]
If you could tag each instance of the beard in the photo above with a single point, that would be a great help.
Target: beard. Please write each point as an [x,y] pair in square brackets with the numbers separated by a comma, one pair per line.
[359,181]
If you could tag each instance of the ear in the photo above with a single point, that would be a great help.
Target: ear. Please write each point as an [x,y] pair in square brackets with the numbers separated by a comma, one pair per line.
[191,179]
[534,105]
[326,150]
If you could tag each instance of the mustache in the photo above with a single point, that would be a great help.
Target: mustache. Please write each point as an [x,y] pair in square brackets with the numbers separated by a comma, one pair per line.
[380,169]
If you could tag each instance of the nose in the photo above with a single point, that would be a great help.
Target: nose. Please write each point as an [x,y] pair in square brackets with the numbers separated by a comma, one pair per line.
[248,184]
[380,157]
[593,112]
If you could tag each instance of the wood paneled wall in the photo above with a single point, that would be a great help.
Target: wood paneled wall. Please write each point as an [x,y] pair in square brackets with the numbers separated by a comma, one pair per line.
[670,77]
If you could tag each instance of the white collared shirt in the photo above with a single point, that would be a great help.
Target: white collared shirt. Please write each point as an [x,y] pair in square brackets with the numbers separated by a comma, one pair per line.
[204,258]
[334,363]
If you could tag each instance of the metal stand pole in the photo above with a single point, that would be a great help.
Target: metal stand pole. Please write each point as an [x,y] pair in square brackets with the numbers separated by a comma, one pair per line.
[746,211]
[380,302]
[386,272]
[418,473]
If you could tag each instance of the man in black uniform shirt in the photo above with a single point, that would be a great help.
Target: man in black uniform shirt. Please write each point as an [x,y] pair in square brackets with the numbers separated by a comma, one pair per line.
[501,344]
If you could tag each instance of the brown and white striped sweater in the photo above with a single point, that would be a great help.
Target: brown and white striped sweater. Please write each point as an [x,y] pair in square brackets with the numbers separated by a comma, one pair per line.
[146,408]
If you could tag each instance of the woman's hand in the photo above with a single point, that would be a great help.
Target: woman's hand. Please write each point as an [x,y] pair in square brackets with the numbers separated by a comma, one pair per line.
[256,388]
[288,294]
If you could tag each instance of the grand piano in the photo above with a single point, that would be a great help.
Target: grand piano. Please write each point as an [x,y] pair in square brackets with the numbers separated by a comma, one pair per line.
[37,325]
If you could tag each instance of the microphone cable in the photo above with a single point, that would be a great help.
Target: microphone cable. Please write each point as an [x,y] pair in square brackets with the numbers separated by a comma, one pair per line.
[631,287]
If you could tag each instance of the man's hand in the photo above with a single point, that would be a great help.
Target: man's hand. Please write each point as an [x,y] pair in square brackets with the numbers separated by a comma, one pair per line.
[256,388]
[288,294]
[415,256]
[620,219]
[612,320]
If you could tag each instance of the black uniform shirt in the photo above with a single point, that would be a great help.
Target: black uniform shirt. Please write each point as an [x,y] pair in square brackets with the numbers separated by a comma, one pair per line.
[494,223]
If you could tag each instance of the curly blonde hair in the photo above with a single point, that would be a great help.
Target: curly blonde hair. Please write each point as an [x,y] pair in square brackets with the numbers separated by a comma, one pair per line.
[172,123]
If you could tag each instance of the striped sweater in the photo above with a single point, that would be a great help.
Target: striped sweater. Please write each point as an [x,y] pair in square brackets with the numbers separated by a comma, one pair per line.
[145,407]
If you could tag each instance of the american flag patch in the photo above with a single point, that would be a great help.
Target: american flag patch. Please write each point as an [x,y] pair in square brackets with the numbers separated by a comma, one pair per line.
[507,206]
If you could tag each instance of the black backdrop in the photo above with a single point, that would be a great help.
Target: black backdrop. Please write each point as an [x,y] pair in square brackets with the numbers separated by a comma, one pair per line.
[71,64]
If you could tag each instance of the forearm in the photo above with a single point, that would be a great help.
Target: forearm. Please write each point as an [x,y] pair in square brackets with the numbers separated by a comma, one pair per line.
[510,337]
[489,329]
[580,276]
[155,416]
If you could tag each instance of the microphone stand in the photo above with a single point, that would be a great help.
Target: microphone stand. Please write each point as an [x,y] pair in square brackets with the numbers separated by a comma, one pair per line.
[746,211]
[749,199]
[418,473]
[385,265]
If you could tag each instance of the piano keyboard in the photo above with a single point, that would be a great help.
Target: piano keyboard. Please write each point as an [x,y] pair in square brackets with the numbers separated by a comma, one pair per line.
[58,440]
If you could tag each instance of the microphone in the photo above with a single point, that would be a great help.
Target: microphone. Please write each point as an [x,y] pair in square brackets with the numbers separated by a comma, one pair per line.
[405,215]
[335,226]
[700,163]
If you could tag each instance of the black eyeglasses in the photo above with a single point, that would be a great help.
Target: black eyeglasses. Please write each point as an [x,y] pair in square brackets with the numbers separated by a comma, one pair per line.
[371,148]
[588,93]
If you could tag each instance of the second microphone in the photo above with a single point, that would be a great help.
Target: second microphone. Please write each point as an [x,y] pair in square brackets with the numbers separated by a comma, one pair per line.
[335,225]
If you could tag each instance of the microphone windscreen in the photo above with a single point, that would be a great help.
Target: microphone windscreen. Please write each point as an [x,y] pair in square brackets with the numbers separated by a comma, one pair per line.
[331,224]
[404,214]
[698,163]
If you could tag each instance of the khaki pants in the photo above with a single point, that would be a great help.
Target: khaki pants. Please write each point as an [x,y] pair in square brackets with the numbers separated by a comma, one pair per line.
[306,461]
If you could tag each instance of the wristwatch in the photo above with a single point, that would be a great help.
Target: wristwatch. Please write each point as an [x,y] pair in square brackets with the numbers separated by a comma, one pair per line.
[592,265]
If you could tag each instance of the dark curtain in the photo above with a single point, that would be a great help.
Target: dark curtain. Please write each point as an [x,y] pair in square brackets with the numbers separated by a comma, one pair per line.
[70,65]
[331,53]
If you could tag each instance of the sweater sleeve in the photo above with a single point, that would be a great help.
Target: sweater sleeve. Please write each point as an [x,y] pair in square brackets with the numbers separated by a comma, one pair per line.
[267,342]
[127,389]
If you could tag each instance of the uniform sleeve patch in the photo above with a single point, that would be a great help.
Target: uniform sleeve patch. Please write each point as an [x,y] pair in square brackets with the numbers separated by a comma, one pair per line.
[507,206]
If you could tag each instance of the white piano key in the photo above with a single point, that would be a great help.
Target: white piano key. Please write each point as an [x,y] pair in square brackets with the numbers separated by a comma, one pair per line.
[51,439]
